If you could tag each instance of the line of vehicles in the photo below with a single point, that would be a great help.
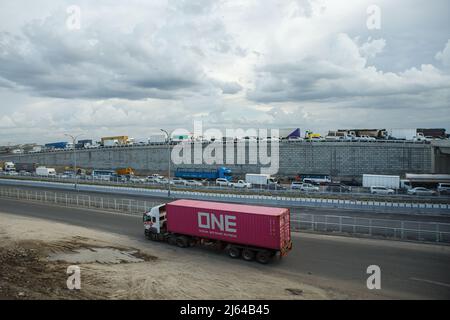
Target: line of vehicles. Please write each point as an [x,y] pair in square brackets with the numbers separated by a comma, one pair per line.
[285,134]
[222,177]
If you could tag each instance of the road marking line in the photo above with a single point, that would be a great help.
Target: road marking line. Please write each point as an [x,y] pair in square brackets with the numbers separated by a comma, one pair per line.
[432,282]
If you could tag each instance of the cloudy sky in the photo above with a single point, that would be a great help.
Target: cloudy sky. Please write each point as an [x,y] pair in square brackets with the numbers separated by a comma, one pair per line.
[115,67]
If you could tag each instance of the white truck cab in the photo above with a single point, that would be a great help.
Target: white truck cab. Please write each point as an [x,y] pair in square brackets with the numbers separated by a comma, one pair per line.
[155,220]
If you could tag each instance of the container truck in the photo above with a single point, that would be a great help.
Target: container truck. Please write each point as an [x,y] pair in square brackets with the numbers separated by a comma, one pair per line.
[45,172]
[113,141]
[406,134]
[371,180]
[125,172]
[250,232]
[201,173]
[160,138]
[56,145]
[29,167]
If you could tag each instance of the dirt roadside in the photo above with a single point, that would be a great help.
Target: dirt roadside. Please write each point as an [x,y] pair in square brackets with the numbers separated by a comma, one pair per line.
[35,254]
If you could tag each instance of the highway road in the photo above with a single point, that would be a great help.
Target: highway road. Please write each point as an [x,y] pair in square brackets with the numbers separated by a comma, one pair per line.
[408,270]
[371,214]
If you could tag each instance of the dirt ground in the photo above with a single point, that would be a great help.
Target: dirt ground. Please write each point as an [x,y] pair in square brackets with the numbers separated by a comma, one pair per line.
[35,254]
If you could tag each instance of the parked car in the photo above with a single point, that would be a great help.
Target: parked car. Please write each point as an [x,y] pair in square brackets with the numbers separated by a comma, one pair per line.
[443,188]
[420,191]
[193,183]
[222,182]
[381,190]
[240,184]
[338,187]
[296,185]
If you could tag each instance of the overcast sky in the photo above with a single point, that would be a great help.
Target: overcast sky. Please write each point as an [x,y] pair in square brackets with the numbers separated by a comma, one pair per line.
[133,67]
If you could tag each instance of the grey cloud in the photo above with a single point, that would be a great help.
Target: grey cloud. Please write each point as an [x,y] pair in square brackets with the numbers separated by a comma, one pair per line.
[330,79]
[95,63]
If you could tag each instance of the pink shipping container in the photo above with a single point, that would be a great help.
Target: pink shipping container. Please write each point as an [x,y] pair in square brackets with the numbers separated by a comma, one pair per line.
[263,227]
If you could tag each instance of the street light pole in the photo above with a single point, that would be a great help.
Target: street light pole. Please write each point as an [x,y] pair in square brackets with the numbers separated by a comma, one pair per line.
[74,138]
[168,153]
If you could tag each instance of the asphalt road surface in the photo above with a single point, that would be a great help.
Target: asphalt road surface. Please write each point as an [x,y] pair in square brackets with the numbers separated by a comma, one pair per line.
[408,270]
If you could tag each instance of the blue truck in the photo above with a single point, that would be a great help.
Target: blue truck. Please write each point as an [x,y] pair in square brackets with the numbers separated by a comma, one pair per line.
[200,173]
[56,145]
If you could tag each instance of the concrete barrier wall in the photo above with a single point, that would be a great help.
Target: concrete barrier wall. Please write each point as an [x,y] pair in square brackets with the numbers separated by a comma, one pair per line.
[337,159]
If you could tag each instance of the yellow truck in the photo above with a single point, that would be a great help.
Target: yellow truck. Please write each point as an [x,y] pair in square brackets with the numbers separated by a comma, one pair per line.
[312,136]
[125,172]
[114,141]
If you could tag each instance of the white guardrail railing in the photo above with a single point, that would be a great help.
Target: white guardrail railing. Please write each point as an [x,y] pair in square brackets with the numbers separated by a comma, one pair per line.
[290,202]
[356,226]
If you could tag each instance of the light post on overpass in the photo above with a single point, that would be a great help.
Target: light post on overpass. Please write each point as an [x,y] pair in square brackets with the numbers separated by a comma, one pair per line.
[74,138]
[168,153]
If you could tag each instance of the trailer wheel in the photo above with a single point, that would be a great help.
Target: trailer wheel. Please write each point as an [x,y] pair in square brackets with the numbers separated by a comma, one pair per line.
[182,242]
[263,257]
[234,252]
[153,236]
[248,254]
[171,240]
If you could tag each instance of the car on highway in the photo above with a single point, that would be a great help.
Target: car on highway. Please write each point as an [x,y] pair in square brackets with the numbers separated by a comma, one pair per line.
[421,191]
[222,182]
[338,187]
[308,187]
[443,188]
[240,184]
[177,180]
[296,185]
[193,183]
[137,180]
[366,139]
[381,190]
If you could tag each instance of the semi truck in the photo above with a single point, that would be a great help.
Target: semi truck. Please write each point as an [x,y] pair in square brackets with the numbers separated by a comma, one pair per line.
[45,172]
[201,173]
[29,167]
[84,144]
[250,232]
[56,145]
[371,180]
[406,134]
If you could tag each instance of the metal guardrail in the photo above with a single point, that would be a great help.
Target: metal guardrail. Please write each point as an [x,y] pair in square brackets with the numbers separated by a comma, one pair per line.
[389,229]
[247,198]
[380,228]
[126,206]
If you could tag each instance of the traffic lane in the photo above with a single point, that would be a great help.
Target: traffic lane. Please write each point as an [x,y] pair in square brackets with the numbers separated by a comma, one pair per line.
[104,221]
[304,210]
[411,270]
[414,270]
